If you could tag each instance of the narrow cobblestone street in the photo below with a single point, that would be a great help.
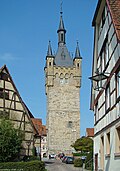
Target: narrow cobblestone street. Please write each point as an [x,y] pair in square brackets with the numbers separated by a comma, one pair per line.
[57,165]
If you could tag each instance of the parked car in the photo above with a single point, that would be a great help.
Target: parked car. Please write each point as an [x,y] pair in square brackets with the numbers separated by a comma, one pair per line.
[52,156]
[83,158]
[69,160]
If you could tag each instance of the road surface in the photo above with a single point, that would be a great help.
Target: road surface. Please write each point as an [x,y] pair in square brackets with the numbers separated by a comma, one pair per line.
[57,165]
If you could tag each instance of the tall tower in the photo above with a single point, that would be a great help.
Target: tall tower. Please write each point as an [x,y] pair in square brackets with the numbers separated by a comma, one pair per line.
[63,82]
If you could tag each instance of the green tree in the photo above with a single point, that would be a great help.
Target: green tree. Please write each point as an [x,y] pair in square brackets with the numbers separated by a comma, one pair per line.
[10,141]
[83,144]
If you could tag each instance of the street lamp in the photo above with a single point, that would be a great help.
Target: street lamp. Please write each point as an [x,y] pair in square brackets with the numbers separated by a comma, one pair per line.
[98,78]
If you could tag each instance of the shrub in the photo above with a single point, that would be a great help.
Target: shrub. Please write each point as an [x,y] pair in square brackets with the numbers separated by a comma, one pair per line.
[30,158]
[34,151]
[24,166]
[76,154]
[89,161]
[10,141]
[78,162]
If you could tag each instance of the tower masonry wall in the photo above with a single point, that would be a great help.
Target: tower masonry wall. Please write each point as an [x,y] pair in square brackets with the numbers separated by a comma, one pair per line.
[63,108]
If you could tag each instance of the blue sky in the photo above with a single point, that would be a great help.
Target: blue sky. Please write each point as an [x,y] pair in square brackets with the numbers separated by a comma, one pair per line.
[26,26]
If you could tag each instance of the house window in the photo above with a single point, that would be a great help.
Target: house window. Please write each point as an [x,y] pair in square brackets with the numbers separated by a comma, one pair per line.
[4,94]
[96,112]
[103,17]
[4,76]
[102,21]
[78,65]
[104,56]
[108,143]
[107,97]
[117,142]
[118,84]
[102,153]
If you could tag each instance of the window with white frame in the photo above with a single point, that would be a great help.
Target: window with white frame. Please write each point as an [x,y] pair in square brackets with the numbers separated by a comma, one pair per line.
[107,97]
[96,113]
[102,21]
[118,84]
[104,56]
[117,140]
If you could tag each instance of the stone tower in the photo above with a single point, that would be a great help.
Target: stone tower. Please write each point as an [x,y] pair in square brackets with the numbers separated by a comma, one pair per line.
[63,82]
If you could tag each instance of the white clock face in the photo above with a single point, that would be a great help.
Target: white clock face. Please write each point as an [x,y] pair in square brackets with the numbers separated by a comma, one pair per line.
[61,80]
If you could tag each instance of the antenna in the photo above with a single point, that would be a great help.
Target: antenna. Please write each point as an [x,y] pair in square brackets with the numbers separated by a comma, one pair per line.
[61,7]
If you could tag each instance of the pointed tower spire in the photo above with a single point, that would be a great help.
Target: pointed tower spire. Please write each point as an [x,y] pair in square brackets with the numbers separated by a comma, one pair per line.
[62,57]
[61,31]
[77,52]
[49,52]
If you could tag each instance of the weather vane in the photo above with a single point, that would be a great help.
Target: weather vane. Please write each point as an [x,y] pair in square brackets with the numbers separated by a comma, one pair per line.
[61,7]
[77,42]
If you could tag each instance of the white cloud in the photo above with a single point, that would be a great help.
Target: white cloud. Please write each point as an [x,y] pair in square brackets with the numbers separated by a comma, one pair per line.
[8,57]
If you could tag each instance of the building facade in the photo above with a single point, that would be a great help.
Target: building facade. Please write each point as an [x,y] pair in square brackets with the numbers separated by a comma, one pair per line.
[40,142]
[105,92]
[63,82]
[14,109]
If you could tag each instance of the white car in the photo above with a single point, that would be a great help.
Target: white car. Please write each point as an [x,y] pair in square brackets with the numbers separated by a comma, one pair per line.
[52,156]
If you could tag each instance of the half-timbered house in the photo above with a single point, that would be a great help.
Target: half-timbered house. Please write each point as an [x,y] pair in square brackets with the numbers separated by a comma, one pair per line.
[105,92]
[13,108]
[40,142]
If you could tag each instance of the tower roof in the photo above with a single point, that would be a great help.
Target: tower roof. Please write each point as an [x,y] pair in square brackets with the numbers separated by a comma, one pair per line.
[61,25]
[62,57]
[77,52]
[49,52]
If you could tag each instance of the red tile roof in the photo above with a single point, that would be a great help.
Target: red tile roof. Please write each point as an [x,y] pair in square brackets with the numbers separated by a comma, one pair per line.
[44,130]
[89,132]
[114,8]
[38,125]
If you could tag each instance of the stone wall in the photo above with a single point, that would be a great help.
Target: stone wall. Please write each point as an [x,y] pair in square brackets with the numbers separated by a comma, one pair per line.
[63,108]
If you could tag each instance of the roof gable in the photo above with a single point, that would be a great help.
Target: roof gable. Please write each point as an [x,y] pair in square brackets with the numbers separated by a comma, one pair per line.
[4,69]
